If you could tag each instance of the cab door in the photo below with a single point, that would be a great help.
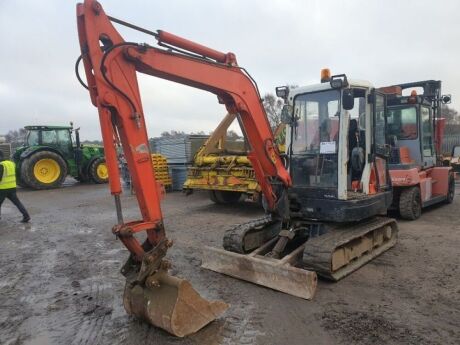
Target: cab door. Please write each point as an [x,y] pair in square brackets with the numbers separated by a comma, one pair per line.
[381,151]
[426,137]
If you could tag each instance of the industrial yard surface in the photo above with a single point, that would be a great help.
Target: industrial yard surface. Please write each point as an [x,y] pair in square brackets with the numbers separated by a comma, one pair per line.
[61,282]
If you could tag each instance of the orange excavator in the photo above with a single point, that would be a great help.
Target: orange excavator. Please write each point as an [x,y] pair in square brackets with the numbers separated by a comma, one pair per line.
[111,64]
[327,222]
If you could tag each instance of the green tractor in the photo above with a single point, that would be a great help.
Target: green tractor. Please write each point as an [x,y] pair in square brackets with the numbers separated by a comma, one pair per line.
[49,155]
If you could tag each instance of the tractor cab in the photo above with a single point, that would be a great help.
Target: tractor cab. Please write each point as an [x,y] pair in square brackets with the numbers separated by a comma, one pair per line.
[337,149]
[57,137]
[49,154]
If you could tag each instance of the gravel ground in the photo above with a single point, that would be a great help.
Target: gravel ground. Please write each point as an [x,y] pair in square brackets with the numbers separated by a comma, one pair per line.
[60,280]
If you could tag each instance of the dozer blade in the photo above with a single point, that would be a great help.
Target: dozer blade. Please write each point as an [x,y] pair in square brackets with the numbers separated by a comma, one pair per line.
[172,304]
[277,274]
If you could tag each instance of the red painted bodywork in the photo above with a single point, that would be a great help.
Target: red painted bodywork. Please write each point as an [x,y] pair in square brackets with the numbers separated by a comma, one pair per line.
[123,121]
[432,181]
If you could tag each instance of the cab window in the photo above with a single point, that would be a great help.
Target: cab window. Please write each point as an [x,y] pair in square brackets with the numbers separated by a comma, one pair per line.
[402,123]
[33,138]
[49,138]
[63,137]
[427,140]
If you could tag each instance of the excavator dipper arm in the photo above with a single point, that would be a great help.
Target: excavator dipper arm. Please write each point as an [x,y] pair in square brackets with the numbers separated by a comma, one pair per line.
[111,64]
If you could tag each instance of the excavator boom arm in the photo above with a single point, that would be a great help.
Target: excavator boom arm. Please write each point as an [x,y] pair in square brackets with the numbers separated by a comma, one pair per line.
[111,64]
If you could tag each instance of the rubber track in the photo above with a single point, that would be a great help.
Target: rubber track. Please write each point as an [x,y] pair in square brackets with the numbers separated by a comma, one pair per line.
[317,255]
[234,237]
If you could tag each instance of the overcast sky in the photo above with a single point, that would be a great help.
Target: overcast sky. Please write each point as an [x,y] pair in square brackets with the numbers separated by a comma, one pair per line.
[278,42]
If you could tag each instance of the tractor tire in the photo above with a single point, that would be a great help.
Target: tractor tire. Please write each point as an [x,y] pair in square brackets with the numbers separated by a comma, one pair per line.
[410,203]
[225,197]
[98,172]
[451,190]
[43,170]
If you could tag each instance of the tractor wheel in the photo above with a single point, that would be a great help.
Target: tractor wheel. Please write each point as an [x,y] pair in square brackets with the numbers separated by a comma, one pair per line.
[98,172]
[225,197]
[451,190]
[43,170]
[410,203]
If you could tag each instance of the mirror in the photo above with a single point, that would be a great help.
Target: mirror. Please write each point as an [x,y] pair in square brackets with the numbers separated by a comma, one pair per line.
[446,99]
[348,99]
[286,114]
[282,92]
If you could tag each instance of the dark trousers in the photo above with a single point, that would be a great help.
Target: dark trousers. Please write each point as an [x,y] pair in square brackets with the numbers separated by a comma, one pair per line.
[11,195]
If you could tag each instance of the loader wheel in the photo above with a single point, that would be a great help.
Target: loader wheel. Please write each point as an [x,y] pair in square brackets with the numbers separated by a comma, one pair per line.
[451,190]
[43,170]
[98,171]
[225,197]
[410,204]
[212,196]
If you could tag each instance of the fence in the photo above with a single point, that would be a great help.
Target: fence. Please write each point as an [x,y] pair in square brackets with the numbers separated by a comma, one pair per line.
[451,138]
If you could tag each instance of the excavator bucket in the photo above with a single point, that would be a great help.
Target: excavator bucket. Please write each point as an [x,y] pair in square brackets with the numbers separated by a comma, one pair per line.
[172,304]
[277,274]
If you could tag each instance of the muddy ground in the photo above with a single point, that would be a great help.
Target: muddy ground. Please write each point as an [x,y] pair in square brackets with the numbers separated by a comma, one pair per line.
[60,280]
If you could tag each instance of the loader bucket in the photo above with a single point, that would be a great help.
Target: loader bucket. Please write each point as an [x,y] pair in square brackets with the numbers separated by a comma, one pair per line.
[173,305]
[277,274]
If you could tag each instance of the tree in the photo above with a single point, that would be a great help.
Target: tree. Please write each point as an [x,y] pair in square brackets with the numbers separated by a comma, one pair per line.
[16,135]
[273,106]
[232,135]
[173,134]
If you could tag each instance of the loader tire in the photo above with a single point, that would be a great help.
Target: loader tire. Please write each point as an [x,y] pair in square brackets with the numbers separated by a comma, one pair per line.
[98,172]
[451,190]
[410,203]
[212,197]
[43,170]
[225,197]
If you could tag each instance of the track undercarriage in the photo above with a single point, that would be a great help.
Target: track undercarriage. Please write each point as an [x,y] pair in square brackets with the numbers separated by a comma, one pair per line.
[289,260]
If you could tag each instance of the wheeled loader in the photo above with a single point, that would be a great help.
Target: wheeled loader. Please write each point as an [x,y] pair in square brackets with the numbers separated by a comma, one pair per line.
[322,211]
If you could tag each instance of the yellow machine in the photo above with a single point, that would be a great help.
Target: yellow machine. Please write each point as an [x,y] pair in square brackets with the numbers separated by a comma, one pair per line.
[223,168]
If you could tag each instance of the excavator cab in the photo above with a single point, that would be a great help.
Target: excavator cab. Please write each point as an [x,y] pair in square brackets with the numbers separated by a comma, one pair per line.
[332,224]
[338,157]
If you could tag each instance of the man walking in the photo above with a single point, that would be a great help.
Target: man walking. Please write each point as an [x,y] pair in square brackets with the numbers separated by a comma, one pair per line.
[8,186]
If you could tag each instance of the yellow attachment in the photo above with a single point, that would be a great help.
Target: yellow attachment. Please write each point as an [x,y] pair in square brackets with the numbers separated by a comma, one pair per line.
[47,170]
[237,179]
[222,160]
[102,171]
